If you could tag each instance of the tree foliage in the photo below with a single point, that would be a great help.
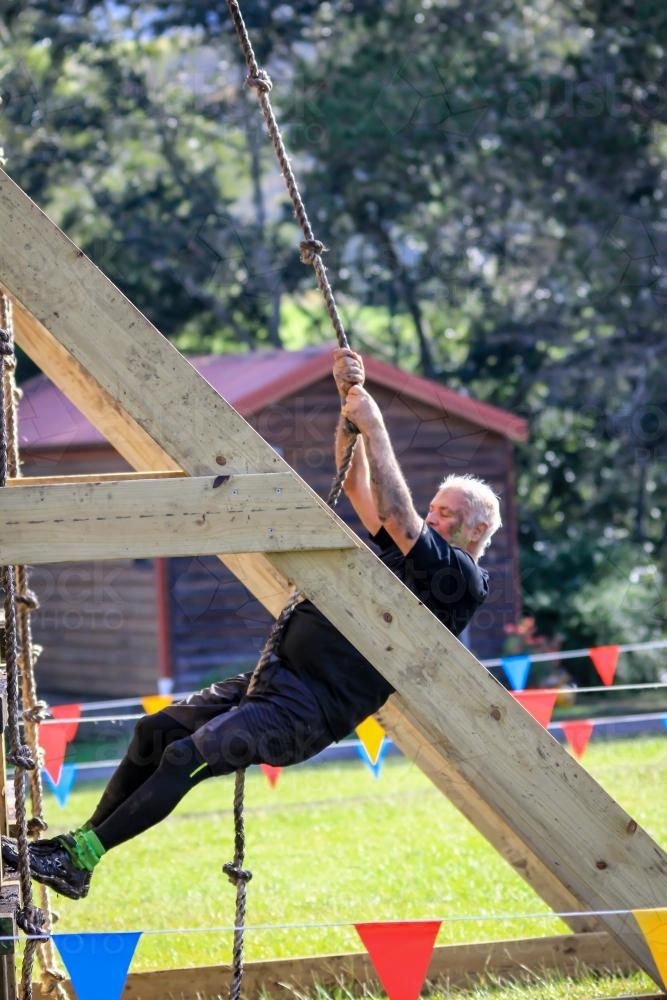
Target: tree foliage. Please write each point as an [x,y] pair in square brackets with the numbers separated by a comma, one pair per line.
[490,180]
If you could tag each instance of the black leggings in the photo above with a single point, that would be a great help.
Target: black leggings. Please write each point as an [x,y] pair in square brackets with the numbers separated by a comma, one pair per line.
[161,765]
[165,759]
[152,735]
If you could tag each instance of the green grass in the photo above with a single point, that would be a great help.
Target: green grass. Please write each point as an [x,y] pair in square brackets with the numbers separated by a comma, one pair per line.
[332,845]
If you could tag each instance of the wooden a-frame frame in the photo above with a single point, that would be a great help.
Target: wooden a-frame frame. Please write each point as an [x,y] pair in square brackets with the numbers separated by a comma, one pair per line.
[556,825]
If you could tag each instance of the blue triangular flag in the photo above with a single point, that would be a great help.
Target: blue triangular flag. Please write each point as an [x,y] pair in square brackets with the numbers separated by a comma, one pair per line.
[516,670]
[97,963]
[62,789]
[376,767]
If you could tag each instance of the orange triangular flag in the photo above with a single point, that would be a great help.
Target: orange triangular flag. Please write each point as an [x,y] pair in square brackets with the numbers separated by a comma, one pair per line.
[577,735]
[371,734]
[272,773]
[653,925]
[540,703]
[401,953]
[604,660]
[53,737]
[152,703]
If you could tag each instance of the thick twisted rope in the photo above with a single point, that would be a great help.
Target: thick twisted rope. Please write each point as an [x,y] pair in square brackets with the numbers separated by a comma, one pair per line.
[311,250]
[22,655]
[28,917]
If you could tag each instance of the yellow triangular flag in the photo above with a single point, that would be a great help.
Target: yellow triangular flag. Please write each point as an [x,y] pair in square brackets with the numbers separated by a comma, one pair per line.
[371,734]
[152,703]
[653,925]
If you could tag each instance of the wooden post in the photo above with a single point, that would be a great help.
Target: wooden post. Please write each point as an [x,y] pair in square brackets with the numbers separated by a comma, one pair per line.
[9,889]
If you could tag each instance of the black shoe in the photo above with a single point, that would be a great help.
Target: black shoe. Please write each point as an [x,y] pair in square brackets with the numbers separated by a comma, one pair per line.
[10,849]
[10,852]
[51,865]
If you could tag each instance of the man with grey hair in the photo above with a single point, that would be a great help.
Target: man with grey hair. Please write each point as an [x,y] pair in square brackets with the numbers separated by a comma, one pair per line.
[316,687]
[436,556]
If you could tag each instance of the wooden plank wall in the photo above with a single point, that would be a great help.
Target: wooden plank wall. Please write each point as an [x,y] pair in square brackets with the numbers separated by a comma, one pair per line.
[97,623]
[217,626]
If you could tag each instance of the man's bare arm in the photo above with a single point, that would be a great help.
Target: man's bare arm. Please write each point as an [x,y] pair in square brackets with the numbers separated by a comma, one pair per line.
[357,483]
[391,496]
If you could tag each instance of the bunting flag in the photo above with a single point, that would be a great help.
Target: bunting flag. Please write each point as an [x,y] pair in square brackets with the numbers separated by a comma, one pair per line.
[653,925]
[62,788]
[374,768]
[272,773]
[604,660]
[152,703]
[516,670]
[578,734]
[539,702]
[400,953]
[97,963]
[53,737]
[372,735]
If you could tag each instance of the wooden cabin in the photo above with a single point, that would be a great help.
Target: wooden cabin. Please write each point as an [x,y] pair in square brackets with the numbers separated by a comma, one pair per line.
[129,628]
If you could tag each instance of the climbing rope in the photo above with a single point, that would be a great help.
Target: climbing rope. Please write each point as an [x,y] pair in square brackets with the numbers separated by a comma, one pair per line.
[311,250]
[21,657]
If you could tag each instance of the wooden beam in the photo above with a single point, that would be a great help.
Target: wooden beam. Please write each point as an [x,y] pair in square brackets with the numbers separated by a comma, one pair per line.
[9,904]
[420,743]
[594,848]
[110,512]
[458,965]
[129,439]
[91,477]
[162,517]
[9,886]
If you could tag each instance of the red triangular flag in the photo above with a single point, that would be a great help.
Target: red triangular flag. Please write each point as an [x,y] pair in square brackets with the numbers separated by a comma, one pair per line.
[401,953]
[53,737]
[70,712]
[577,735]
[272,773]
[540,703]
[604,660]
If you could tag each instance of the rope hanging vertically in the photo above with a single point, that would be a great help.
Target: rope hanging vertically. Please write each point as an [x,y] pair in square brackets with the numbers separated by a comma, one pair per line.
[21,655]
[311,250]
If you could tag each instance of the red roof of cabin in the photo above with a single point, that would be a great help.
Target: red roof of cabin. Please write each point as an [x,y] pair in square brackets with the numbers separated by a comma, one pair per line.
[250,382]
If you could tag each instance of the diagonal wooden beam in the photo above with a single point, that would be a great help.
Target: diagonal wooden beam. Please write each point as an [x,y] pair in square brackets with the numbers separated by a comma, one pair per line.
[148,519]
[131,441]
[273,589]
[592,846]
[421,744]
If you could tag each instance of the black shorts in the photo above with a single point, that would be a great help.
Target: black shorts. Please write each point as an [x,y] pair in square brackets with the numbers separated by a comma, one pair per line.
[280,723]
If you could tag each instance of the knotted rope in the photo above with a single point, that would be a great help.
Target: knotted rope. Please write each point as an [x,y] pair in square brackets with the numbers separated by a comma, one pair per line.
[21,656]
[311,251]
[311,248]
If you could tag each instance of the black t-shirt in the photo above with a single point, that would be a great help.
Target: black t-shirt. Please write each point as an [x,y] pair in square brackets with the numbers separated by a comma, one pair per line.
[347,687]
